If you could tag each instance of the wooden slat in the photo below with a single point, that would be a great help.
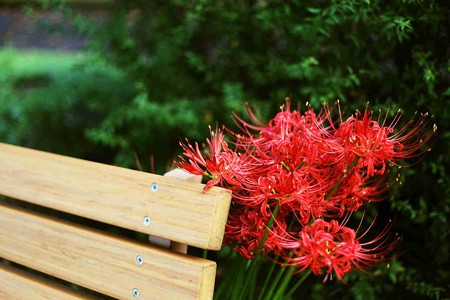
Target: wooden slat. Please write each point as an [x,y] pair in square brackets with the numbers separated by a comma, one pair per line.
[101,262]
[179,210]
[18,285]
[175,246]
[181,174]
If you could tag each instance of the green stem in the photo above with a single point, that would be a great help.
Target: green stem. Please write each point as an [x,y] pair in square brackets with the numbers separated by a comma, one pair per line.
[269,225]
[284,283]
[268,277]
[229,278]
[297,285]
[275,282]
[251,273]
[251,289]
[237,279]
[335,187]
[274,264]
[255,264]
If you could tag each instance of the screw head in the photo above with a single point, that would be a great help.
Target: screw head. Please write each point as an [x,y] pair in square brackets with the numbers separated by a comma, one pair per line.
[147,220]
[154,187]
[135,293]
[139,260]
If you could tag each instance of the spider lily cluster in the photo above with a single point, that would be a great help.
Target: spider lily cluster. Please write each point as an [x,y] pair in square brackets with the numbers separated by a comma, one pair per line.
[295,177]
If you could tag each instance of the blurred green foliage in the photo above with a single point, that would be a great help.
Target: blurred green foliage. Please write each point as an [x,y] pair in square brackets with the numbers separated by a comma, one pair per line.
[48,100]
[164,70]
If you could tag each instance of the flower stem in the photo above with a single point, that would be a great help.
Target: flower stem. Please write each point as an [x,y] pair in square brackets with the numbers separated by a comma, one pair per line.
[335,187]
[298,283]
[284,283]
[229,281]
[269,225]
[268,277]
[275,282]
[237,278]
[255,262]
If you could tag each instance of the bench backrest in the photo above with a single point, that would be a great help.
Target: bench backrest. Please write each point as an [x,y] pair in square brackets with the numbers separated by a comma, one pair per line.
[166,207]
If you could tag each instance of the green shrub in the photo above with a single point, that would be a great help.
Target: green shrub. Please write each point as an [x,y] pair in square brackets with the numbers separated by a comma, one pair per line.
[49,100]
[217,54]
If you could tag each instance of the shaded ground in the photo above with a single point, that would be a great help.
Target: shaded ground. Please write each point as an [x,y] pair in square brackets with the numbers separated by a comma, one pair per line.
[44,31]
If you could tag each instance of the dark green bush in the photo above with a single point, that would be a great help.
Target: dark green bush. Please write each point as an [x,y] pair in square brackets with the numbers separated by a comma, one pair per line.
[49,100]
[217,54]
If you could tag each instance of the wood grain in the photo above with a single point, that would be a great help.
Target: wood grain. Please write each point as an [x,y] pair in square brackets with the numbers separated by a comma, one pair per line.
[18,285]
[181,174]
[179,210]
[101,262]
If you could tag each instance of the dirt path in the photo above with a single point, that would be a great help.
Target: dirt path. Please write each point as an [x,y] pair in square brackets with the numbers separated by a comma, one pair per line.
[46,31]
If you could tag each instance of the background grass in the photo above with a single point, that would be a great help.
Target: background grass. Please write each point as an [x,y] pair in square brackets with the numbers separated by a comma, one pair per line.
[46,100]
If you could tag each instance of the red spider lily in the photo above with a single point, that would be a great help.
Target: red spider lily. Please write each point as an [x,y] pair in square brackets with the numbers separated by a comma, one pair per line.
[356,190]
[245,228]
[368,141]
[330,247]
[377,145]
[219,163]
[196,163]
[295,176]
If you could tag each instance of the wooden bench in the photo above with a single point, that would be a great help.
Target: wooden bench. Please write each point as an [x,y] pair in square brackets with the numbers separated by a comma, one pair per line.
[110,264]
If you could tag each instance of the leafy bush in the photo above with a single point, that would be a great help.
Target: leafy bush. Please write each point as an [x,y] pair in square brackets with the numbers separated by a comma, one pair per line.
[217,54]
[49,100]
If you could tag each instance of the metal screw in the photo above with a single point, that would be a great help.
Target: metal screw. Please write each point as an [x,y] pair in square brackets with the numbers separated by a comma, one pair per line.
[135,293]
[154,187]
[147,220]
[139,260]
